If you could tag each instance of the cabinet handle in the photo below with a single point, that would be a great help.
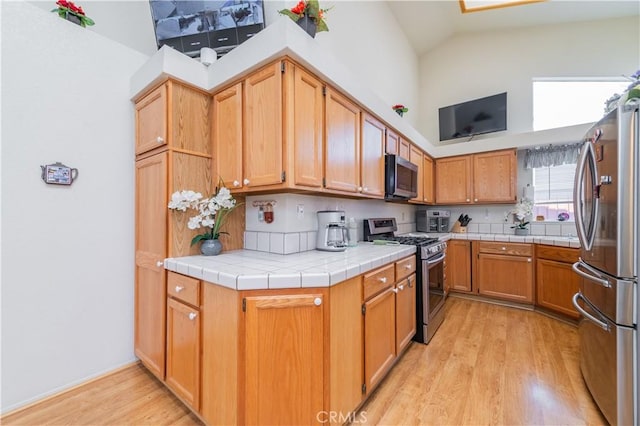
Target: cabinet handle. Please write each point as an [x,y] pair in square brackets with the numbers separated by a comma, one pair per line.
[160,139]
[468,200]
[359,189]
[529,260]
[475,200]
[504,248]
[159,263]
[410,284]
[317,301]
[179,289]
[192,315]
[401,287]
[395,290]
[246,181]
[236,183]
[407,266]
[383,279]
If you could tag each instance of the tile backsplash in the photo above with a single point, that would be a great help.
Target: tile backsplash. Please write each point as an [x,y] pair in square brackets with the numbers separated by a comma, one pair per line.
[567,229]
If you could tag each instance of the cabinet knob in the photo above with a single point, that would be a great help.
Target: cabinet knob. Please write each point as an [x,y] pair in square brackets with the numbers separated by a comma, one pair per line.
[395,290]
[159,263]
[160,139]
[410,284]
[365,189]
[179,289]
[468,200]
[317,301]
[401,287]
[246,181]
[504,248]
[236,183]
[383,279]
[407,266]
[192,315]
[359,189]
[475,200]
[529,260]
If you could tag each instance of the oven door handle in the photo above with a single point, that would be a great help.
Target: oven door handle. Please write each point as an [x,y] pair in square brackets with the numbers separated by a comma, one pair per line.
[436,260]
[603,325]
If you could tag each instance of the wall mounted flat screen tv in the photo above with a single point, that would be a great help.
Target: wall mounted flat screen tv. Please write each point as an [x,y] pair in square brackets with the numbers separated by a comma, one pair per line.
[188,26]
[466,119]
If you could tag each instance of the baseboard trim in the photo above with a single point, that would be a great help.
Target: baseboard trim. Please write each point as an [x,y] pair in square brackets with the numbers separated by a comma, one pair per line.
[67,390]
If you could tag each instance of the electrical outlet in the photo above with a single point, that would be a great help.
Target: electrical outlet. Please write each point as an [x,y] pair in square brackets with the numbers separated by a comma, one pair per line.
[300,211]
[402,216]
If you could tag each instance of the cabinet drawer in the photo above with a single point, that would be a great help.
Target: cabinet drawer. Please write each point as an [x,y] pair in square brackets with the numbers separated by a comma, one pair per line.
[560,254]
[514,249]
[378,280]
[405,267]
[184,288]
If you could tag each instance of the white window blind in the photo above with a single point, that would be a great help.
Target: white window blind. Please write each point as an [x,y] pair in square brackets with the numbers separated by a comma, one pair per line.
[554,184]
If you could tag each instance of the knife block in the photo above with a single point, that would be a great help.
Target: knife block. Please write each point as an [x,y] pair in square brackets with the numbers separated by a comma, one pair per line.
[459,229]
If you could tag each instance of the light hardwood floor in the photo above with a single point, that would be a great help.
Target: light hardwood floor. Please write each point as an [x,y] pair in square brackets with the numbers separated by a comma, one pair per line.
[487,364]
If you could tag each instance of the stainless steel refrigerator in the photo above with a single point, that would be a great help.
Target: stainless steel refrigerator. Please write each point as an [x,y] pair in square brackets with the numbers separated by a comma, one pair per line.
[606,209]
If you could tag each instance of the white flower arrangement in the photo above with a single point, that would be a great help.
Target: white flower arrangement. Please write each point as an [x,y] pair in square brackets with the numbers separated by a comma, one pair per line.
[212,212]
[522,210]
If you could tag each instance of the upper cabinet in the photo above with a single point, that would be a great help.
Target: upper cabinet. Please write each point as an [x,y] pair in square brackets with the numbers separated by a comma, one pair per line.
[175,116]
[417,158]
[479,178]
[397,146]
[372,157]
[428,194]
[267,130]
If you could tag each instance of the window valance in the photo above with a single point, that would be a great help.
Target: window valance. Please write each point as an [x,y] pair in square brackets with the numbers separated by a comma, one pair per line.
[552,155]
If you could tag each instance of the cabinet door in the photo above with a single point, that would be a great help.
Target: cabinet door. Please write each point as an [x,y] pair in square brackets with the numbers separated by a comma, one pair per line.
[556,283]
[151,250]
[405,149]
[342,148]
[453,180]
[284,359]
[416,158]
[494,176]
[372,158]
[305,124]
[227,136]
[405,312]
[427,178]
[183,352]
[392,145]
[459,265]
[346,346]
[505,277]
[151,120]
[379,337]
[262,143]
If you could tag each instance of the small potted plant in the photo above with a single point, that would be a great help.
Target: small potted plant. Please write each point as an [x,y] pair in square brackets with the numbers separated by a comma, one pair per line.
[69,11]
[212,213]
[308,15]
[522,210]
[400,109]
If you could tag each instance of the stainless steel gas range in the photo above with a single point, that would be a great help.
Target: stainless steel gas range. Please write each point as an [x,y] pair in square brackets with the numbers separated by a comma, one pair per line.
[430,255]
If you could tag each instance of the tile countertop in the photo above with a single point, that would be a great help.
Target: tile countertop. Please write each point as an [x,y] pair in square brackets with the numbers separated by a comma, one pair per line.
[254,270]
[559,241]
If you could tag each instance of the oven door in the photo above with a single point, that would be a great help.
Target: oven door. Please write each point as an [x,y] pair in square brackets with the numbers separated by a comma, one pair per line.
[433,286]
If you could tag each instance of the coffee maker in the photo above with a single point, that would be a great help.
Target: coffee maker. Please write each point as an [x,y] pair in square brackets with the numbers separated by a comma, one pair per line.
[333,234]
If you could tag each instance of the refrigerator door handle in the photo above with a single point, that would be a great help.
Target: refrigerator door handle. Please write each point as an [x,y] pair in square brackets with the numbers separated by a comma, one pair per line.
[592,276]
[603,325]
[586,239]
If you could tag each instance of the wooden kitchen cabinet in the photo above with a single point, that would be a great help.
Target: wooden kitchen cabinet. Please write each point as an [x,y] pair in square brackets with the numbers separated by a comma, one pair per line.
[342,145]
[488,177]
[556,283]
[428,191]
[268,130]
[173,115]
[379,337]
[397,146]
[372,157]
[284,357]
[405,312]
[458,265]
[183,338]
[504,270]
[417,158]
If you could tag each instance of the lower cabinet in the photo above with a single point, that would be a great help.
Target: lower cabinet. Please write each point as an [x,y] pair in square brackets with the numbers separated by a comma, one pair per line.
[379,337]
[405,312]
[284,358]
[505,271]
[556,283]
[458,265]
[183,338]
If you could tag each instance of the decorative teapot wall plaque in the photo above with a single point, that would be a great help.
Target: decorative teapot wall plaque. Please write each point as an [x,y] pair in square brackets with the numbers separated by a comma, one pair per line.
[58,174]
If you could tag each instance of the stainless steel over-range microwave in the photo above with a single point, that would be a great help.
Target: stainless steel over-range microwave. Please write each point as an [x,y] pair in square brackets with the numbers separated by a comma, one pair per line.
[401,178]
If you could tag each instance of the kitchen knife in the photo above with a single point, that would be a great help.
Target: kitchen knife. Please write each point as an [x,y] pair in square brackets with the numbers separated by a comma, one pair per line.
[461,219]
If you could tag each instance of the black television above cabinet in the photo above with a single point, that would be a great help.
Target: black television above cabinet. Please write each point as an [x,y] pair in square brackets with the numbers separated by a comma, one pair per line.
[467,119]
[188,26]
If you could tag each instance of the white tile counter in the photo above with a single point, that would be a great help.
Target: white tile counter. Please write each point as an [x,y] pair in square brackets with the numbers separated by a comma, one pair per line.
[253,270]
[572,242]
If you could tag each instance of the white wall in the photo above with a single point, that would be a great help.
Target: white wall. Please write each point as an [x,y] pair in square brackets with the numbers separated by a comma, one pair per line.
[67,252]
[481,64]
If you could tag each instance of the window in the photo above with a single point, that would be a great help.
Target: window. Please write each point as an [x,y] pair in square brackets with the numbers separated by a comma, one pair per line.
[559,103]
[553,191]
